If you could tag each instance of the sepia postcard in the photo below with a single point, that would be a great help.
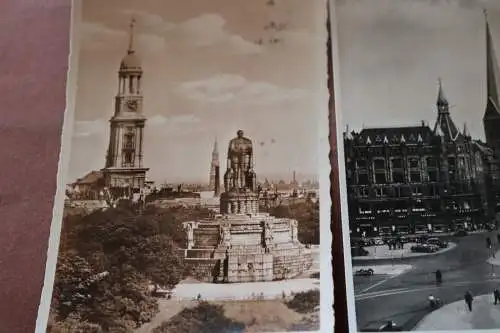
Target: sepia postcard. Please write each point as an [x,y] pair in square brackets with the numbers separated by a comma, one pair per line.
[418,109]
[194,174]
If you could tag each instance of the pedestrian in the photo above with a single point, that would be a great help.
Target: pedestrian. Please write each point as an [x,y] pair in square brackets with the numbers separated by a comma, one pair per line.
[439,277]
[496,294]
[468,300]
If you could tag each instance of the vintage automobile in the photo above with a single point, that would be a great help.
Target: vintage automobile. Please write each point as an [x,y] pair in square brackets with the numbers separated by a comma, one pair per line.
[364,272]
[424,248]
[437,242]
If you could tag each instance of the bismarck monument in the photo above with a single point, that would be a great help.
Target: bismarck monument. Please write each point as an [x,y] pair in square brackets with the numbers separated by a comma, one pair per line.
[241,244]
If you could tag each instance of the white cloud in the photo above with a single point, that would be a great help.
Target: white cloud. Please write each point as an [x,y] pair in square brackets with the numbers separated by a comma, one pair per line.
[85,128]
[98,36]
[150,20]
[227,87]
[206,30]
[160,120]
[88,128]
[209,30]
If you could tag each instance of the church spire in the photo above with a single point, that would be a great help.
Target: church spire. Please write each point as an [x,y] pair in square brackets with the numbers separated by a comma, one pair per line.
[444,124]
[131,36]
[491,73]
[441,99]
[216,148]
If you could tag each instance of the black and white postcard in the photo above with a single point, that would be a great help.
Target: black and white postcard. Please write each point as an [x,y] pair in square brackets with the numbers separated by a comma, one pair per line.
[418,109]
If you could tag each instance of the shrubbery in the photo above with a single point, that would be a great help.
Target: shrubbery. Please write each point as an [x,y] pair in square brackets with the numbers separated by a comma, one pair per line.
[204,318]
[304,302]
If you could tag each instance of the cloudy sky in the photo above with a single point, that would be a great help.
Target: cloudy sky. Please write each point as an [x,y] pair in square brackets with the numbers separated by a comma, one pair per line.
[392,53]
[206,76]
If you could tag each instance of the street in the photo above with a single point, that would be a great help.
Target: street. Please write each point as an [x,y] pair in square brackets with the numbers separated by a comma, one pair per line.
[403,298]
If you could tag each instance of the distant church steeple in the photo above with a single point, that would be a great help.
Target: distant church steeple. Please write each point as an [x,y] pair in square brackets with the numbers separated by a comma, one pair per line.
[444,124]
[214,182]
[491,118]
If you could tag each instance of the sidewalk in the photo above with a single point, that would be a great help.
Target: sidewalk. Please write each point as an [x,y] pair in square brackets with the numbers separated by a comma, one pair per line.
[383,252]
[455,316]
[495,261]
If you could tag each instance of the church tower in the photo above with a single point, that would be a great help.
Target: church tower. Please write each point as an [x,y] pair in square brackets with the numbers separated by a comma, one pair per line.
[444,124]
[491,118]
[214,182]
[124,160]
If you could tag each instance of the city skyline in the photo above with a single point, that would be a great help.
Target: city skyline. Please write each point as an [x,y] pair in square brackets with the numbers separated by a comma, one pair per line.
[207,74]
[394,54]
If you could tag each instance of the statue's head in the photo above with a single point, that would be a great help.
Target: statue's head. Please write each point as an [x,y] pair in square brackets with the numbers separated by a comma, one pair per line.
[240,133]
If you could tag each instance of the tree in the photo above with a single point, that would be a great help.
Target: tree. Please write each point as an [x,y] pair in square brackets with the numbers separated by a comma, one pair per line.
[73,325]
[106,263]
[307,214]
[204,318]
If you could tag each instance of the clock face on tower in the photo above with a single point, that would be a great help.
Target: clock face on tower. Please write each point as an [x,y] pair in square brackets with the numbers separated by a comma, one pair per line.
[132,105]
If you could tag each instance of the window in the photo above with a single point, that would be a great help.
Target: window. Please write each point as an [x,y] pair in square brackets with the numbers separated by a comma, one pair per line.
[413,162]
[397,163]
[398,176]
[363,179]
[415,177]
[380,178]
[433,176]
[416,191]
[431,162]
[361,164]
[379,164]
[363,192]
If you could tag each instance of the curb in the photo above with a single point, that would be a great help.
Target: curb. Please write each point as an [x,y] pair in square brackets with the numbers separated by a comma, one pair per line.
[359,260]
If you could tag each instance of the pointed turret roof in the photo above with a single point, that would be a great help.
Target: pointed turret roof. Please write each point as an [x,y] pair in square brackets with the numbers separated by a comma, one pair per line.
[491,74]
[216,147]
[465,131]
[131,60]
[444,126]
[441,98]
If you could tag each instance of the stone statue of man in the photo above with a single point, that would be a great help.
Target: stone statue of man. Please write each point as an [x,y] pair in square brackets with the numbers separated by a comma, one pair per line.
[239,161]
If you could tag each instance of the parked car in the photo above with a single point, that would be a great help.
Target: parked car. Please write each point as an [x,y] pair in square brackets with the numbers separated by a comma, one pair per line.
[424,248]
[437,242]
[364,272]
[460,233]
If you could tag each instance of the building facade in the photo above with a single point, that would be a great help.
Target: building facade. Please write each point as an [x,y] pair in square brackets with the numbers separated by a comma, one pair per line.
[124,161]
[417,178]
